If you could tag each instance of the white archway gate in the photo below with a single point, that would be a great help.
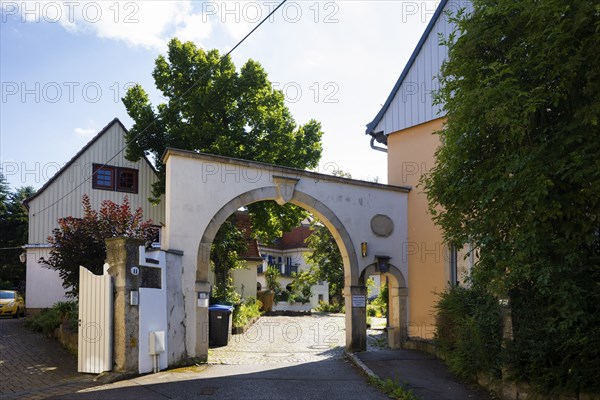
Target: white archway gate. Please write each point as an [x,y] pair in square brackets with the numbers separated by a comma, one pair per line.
[203,190]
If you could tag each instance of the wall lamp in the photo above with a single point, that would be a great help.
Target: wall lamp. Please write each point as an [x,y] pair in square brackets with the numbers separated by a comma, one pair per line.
[363,249]
[383,263]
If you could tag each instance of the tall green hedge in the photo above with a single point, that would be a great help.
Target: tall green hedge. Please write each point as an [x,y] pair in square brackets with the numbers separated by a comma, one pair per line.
[469,332]
[552,355]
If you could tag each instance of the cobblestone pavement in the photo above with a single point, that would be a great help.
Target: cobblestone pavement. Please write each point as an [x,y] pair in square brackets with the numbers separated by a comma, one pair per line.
[273,340]
[33,366]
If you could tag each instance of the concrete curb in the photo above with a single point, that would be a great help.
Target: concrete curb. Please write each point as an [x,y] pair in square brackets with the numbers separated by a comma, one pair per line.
[107,377]
[356,361]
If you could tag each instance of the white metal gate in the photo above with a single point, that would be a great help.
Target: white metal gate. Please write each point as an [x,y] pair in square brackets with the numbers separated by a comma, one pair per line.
[94,354]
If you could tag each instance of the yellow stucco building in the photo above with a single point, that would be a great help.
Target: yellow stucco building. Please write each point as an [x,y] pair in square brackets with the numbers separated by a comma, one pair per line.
[406,124]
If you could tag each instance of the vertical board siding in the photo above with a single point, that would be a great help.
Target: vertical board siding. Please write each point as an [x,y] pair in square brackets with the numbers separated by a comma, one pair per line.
[94,354]
[42,221]
[413,102]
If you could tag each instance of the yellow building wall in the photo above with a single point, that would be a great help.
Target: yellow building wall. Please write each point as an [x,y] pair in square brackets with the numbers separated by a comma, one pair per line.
[410,154]
[244,280]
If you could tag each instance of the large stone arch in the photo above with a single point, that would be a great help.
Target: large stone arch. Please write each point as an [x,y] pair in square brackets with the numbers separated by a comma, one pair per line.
[355,330]
[306,201]
[397,302]
[202,190]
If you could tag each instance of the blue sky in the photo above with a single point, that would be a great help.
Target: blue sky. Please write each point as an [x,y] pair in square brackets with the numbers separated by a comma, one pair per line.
[65,65]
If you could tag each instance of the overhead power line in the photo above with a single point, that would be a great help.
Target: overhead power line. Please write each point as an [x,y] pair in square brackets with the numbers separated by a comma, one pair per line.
[175,100]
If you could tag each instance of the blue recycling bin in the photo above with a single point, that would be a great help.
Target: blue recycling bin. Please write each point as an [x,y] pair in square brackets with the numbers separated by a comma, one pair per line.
[219,316]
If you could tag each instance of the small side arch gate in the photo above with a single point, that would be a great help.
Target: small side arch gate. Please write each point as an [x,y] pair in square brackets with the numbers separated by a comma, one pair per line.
[203,190]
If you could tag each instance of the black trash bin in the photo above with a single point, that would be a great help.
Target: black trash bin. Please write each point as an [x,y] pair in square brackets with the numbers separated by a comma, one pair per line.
[219,316]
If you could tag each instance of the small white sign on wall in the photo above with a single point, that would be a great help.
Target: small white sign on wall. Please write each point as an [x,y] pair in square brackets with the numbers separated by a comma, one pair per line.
[359,301]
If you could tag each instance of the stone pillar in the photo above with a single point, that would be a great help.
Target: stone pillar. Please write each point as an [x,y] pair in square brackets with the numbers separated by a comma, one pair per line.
[356,318]
[122,256]
[396,316]
[175,308]
[201,322]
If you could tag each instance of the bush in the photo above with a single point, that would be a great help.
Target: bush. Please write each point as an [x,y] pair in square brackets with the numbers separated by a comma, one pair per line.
[330,307]
[6,285]
[47,320]
[468,332]
[283,295]
[554,357]
[379,306]
[244,312]
[272,275]
[224,293]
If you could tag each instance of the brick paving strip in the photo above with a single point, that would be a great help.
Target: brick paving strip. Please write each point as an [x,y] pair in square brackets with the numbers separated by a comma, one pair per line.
[33,366]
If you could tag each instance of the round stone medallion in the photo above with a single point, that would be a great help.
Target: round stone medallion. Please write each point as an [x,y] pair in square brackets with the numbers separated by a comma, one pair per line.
[382,225]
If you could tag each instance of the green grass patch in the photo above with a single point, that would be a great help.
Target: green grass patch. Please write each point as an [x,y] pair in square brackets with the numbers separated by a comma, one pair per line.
[394,390]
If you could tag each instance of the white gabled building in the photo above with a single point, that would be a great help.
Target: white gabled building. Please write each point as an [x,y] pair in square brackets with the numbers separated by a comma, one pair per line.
[85,173]
[289,254]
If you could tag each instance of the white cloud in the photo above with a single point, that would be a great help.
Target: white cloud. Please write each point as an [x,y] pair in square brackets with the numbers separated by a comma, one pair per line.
[148,24]
[85,132]
[195,28]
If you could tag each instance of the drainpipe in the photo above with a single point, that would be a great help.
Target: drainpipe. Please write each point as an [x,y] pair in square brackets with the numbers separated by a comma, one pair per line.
[383,149]
[380,137]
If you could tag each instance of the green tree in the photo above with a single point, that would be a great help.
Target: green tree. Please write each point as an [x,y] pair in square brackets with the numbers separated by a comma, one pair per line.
[226,252]
[326,260]
[518,175]
[211,107]
[14,227]
[4,193]
[80,241]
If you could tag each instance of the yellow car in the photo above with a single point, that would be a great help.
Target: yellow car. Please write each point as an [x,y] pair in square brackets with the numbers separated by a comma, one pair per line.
[11,303]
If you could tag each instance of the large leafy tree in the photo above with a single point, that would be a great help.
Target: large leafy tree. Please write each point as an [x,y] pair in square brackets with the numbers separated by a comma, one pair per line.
[80,241]
[326,260]
[13,227]
[518,174]
[227,249]
[212,107]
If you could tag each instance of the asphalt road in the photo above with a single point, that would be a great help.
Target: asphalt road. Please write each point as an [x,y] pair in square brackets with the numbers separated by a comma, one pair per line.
[281,358]
[328,379]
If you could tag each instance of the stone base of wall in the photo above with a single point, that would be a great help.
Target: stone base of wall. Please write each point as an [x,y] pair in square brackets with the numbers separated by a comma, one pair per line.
[30,312]
[523,391]
[67,336]
[298,307]
[423,345]
[238,330]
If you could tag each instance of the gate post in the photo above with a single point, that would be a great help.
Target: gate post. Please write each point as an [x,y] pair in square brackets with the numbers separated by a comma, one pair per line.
[356,318]
[122,256]
[397,328]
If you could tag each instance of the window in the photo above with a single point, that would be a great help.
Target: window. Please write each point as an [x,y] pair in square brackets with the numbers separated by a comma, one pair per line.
[104,177]
[127,180]
[107,177]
